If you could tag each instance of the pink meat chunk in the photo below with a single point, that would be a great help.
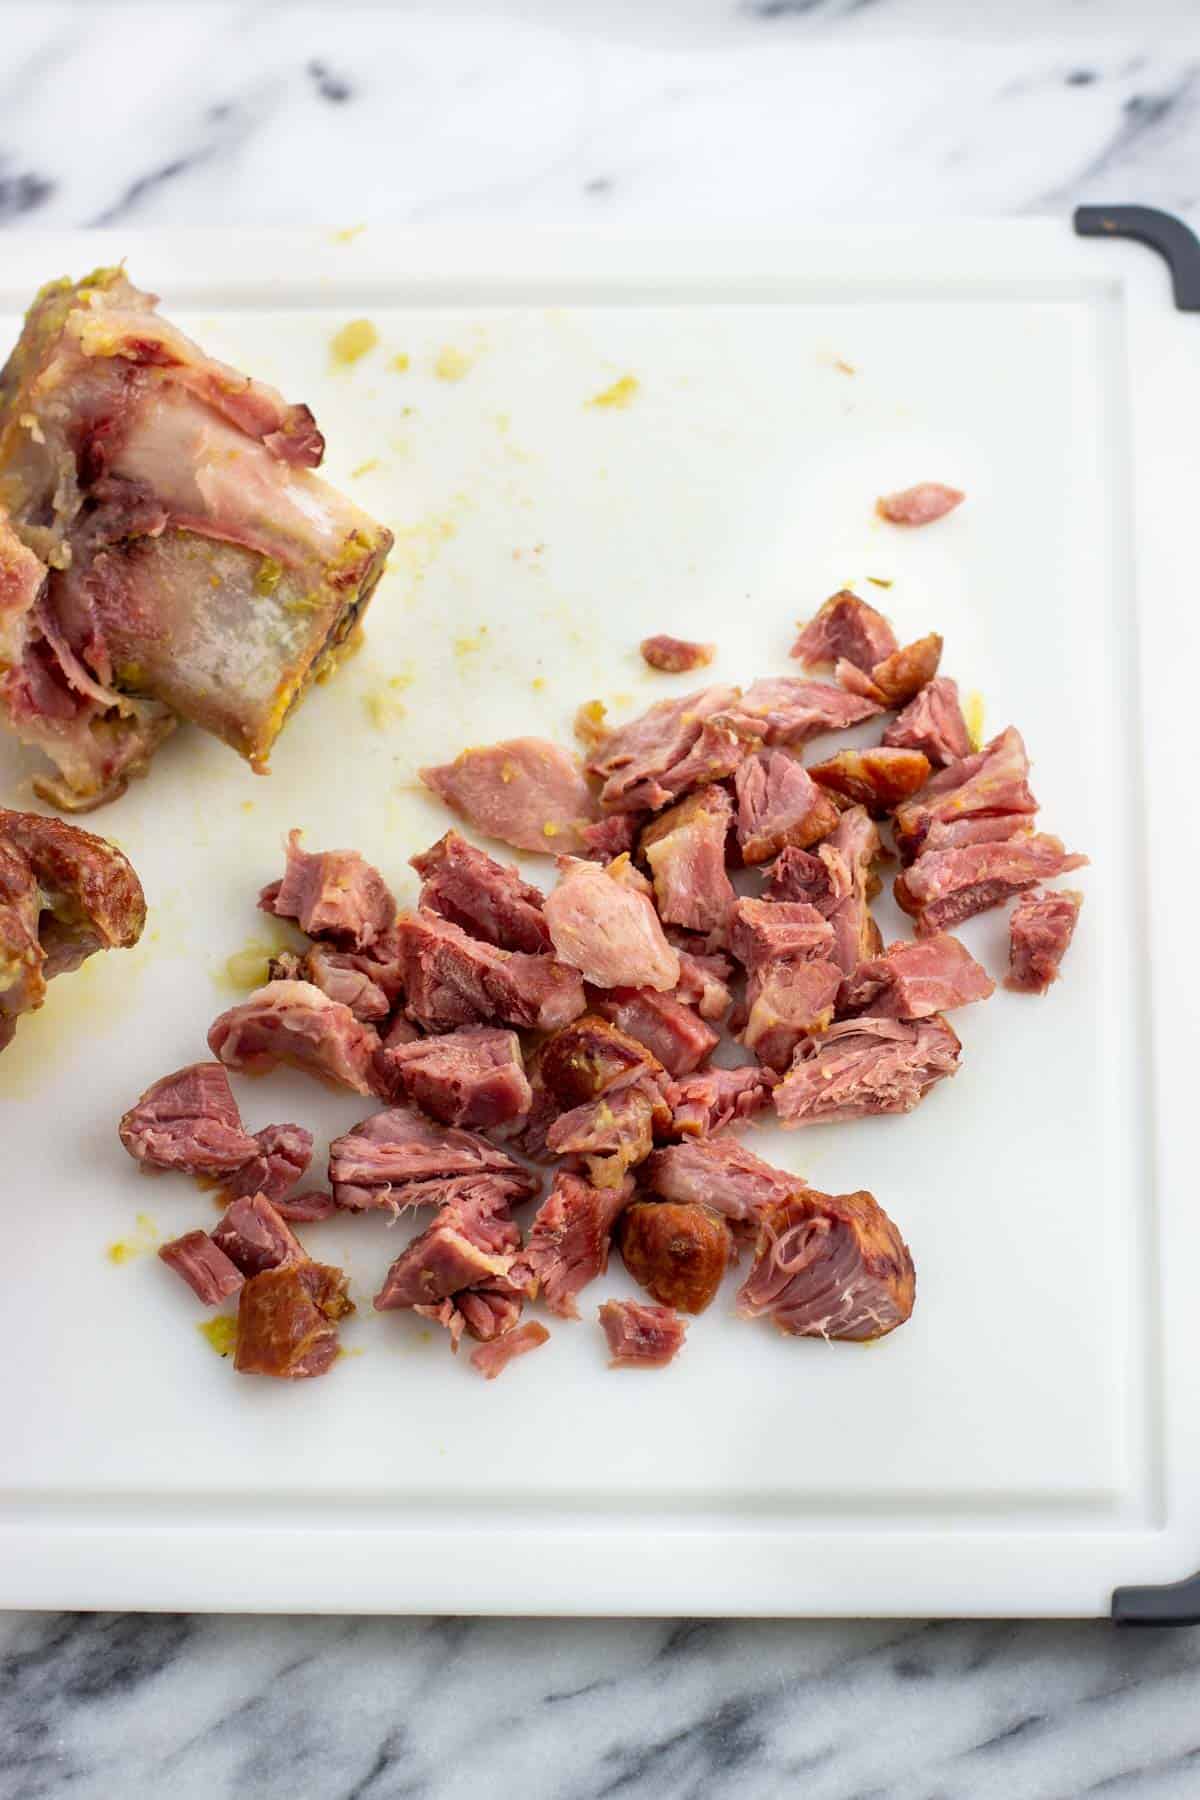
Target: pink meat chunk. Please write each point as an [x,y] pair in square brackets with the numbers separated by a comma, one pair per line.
[617,835]
[786,1001]
[714,1098]
[831,1266]
[203,1265]
[454,979]
[953,834]
[641,1336]
[919,505]
[933,723]
[670,1031]
[845,627]
[666,751]
[527,792]
[294,1022]
[779,803]
[568,1242]
[704,982]
[786,710]
[284,1153]
[685,849]
[799,875]
[305,1209]
[255,1236]
[991,783]
[610,1134]
[473,1076]
[492,1359]
[333,894]
[850,855]
[863,1066]
[915,980]
[488,899]
[719,1173]
[189,1121]
[676,656]
[472,1239]
[399,1158]
[344,976]
[1040,931]
[603,926]
[944,887]
[771,931]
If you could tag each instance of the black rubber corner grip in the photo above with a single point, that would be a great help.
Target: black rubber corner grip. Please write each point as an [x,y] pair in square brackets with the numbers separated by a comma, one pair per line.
[1175,1603]
[1175,242]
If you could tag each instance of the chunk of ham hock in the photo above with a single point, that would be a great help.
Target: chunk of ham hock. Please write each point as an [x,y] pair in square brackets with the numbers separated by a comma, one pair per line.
[831,1266]
[189,1121]
[677,1251]
[287,1321]
[640,1336]
[1040,931]
[294,1022]
[526,792]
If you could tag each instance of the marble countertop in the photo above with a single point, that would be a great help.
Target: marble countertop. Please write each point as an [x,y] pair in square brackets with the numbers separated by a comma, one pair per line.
[631,111]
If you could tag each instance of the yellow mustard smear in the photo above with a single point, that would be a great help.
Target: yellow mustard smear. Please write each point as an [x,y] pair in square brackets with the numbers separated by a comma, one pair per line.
[401,362]
[467,646]
[141,1240]
[383,705]
[352,342]
[451,364]
[220,1333]
[621,393]
[348,234]
[973,714]
[247,968]
[364,468]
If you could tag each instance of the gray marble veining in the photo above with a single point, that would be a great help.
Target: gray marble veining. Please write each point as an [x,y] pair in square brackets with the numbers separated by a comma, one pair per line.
[694,111]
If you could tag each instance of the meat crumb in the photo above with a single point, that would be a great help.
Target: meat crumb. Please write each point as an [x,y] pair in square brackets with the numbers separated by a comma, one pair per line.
[675,656]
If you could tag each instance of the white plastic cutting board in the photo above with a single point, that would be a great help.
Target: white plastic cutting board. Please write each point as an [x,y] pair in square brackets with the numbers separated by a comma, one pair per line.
[1024,1443]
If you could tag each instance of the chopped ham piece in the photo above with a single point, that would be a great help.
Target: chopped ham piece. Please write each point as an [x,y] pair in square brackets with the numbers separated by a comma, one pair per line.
[919,505]
[485,1310]
[605,928]
[799,875]
[641,1337]
[471,1240]
[779,803]
[850,854]
[492,1359]
[399,1158]
[770,931]
[671,748]
[714,1098]
[306,1209]
[845,627]
[294,1022]
[203,1265]
[915,980]
[617,835]
[992,782]
[676,1250]
[933,723]
[195,566]
[340,974]
[721,1174]
[283,1154]
[685,848]
[786,1001]
[1041,929]
[64,893]
[334,894]
[611,1134]
[865,1066]
[254,1236]
[527,792]
[670,1031]
[473,1076]
[452,979]
[783,709]
[568,1241]
[953,834]
[189,1121]
[287,1321]
[486,898]
[676,656]
[589,1056]
[704,982]
[944,887]
[876,779]
[902,675]
[831,1266]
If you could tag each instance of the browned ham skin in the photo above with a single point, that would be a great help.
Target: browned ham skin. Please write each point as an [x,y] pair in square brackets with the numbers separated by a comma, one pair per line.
[287,1321]
[64,894]
[641,1337]
[1040,931]
[829,1265]
[187,562]
[676,656]
[877,779]
[845,627]
[203,1265]
[676,1250]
